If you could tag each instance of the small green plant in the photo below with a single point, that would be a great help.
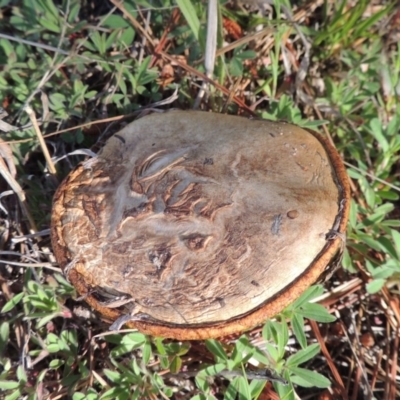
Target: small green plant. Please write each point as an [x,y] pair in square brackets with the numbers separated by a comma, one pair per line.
[137,363]
[270,355]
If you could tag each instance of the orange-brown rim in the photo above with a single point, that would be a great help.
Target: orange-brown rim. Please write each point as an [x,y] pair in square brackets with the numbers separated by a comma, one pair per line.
[241,323]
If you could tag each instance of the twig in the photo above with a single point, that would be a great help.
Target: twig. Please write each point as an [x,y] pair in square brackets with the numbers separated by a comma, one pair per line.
[262,374]
[43,145]
[329,360]
[34,44]
[393,371]
[358,358]
[244,40]
[164,38]
[7,155]
[197,73]
[14,185]
[134,22]
[30,265]
[372,176]
[142,47]
[18,239]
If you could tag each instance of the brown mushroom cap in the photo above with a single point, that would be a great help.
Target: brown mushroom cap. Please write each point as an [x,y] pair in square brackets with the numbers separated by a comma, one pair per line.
[198,224]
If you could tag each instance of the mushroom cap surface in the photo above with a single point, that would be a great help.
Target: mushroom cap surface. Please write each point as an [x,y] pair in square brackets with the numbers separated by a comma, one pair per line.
[198,224]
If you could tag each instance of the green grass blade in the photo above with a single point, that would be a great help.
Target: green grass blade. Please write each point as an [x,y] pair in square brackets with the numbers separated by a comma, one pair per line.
[190,15]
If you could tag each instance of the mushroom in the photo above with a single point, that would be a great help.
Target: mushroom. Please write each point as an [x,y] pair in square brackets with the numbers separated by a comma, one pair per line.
[194,225]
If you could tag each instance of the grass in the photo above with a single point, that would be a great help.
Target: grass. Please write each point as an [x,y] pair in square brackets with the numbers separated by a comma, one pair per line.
[85,69]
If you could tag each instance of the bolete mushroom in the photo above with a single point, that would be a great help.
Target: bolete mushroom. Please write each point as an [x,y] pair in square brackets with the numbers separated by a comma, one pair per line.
[194,225]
